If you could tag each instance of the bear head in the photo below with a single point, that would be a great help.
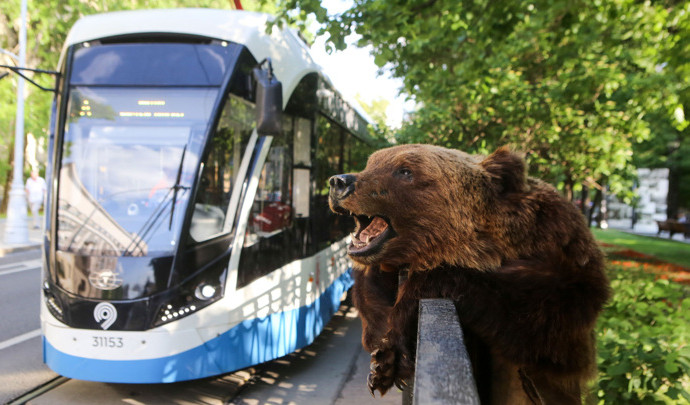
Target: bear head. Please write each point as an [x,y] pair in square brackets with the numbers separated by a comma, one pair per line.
[422,206]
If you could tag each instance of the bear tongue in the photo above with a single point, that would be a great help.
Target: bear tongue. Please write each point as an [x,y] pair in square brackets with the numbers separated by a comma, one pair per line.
[375,228]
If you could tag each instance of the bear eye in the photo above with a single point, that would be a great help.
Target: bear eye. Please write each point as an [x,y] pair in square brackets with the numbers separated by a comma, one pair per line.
[404,172]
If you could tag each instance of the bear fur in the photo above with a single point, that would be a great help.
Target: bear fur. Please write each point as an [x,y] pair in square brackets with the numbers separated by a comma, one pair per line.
[518,260]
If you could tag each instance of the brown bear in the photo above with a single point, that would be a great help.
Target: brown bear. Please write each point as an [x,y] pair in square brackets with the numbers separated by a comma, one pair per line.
[518,260]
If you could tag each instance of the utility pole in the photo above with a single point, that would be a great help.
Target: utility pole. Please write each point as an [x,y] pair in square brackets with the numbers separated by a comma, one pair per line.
[16,227]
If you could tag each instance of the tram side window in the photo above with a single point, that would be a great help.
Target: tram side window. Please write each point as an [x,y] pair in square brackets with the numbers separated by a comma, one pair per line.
[337,152]
[356,154]
[329,151]
[268,243]
[211,208]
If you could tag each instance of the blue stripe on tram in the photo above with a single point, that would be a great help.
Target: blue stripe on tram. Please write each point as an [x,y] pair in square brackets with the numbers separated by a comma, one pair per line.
[251,342]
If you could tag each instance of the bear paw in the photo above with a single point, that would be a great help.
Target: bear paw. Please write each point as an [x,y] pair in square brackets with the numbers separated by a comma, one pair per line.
[382,372]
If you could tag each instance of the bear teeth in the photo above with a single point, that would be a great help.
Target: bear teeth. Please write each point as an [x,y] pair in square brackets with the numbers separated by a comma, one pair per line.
[370,233]
[356,242]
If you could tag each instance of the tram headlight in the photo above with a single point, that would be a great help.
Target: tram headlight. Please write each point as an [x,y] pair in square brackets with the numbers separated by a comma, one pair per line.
[190,297]
[170,313]
[182,306]
[52,303]
[205,291]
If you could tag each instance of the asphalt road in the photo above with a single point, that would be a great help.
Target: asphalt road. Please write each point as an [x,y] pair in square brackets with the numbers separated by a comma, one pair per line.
[21,361]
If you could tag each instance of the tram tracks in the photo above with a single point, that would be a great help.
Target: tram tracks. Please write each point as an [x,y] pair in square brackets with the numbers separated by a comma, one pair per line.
[252,376]
[222,390]
[38,391]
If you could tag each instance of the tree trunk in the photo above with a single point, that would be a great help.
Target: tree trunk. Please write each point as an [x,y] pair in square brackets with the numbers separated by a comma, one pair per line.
[584,200]
[8,178]
[568,188]
[595,206]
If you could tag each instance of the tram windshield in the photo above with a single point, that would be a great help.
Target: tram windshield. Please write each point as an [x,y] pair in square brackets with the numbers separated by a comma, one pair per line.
[128,159]
[136,117]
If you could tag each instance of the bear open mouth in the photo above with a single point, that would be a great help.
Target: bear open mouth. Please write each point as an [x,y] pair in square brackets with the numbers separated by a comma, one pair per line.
[370,235]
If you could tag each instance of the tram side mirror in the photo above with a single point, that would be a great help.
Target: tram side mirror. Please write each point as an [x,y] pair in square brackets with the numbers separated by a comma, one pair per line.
[269,101]
[18,70]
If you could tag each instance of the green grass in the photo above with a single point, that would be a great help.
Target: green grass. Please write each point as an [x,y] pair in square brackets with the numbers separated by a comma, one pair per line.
[663,249]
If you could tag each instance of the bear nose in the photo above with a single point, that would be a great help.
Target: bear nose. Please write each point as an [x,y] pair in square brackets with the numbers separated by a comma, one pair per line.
[342,185]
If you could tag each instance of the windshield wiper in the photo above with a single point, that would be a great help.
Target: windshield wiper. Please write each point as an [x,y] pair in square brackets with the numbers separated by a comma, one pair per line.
[177,187]
[148,226]
[155,218]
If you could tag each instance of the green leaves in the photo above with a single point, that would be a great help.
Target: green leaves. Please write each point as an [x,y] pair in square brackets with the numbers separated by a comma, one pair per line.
[642,341]
[573,84]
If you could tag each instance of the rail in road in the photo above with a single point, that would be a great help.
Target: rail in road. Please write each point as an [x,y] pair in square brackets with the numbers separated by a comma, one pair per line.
[332,370]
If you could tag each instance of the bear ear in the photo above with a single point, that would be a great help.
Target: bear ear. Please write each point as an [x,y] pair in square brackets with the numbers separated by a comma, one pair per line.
[507,169]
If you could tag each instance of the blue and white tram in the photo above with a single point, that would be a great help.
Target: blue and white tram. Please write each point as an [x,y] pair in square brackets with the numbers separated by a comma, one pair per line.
[181,241]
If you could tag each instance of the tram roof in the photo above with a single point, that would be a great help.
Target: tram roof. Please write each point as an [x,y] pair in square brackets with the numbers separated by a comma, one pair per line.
[290,55]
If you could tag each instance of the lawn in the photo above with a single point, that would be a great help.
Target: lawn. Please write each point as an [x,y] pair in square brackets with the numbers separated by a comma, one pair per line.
[671,251]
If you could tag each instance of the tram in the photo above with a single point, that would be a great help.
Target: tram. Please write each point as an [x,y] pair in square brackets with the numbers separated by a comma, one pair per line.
[187,226]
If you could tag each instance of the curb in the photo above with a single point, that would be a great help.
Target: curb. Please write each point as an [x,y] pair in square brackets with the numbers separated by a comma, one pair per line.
[19,248]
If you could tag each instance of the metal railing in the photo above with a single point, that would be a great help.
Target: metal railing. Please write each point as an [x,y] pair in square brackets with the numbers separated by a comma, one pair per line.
[443,371]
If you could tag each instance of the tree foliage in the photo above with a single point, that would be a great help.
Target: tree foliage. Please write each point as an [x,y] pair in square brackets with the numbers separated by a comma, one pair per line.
[642,351]
[670,145]
[376,110]
[571,83]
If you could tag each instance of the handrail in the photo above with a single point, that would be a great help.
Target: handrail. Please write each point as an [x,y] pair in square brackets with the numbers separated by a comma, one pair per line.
[443,371]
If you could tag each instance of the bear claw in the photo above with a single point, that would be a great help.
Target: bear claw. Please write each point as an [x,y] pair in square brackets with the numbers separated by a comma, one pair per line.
[381,371]
[370,386]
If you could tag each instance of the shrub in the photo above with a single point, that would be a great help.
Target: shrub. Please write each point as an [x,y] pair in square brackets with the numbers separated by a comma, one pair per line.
[642,341]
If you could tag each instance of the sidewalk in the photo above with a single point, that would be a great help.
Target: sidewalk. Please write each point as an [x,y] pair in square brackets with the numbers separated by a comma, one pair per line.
[648,230]
[34,242]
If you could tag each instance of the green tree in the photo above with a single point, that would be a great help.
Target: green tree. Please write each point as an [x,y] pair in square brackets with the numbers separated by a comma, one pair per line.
[670,147]
[568,82]
[376,110]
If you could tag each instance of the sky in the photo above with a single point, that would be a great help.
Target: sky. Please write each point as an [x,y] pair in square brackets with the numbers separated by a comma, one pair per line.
[354,72]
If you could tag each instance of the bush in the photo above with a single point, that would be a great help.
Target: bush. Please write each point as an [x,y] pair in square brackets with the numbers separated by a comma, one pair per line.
[642,341]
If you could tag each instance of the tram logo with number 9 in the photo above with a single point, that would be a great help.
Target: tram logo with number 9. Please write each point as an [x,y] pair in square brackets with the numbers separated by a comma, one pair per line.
[105,314]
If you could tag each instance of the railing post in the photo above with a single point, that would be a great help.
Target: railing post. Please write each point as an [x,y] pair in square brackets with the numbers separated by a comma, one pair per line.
[443,372]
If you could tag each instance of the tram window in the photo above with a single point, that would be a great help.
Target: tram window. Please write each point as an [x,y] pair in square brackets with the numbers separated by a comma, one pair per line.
[356,154]
[268,242]
[118,164]
[241,85]
[337,152]
[212,208]
[149,64]
[326,227]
